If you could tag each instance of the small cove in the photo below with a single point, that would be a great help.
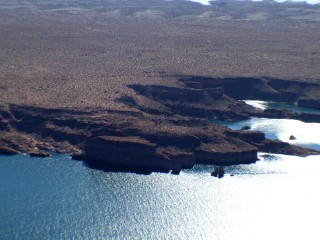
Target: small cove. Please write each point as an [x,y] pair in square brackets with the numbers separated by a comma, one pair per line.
[279,105]
[305,134]
[58,198]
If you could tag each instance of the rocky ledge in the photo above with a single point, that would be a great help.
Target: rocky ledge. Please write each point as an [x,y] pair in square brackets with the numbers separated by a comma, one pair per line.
[167,129]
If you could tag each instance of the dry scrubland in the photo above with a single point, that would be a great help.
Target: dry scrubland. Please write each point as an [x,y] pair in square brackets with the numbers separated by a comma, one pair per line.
[83,54]
[120,81]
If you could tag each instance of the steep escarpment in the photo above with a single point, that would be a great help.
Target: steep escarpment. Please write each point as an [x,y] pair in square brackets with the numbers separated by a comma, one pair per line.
[201,103]
[294,91]
[145,78]
[217,98]
[154,141]
[301,93]
[167,129]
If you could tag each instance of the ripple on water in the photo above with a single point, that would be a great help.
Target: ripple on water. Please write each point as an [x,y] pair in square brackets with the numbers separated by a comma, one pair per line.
[57,198]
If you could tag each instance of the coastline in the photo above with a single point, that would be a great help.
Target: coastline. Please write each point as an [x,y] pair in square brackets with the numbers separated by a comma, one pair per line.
[171,131]
[107,78]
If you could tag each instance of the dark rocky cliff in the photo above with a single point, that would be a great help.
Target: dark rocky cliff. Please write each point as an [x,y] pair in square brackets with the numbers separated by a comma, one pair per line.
[168,128]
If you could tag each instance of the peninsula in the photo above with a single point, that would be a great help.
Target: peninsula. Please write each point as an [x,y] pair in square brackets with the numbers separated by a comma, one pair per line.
[138,83]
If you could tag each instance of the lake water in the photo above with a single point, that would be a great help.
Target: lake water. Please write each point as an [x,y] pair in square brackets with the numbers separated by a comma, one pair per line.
[278,105]
[207,2]
[306,134]
[59,198]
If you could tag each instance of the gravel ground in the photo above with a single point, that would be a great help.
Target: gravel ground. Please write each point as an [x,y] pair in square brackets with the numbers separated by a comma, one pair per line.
[83,54]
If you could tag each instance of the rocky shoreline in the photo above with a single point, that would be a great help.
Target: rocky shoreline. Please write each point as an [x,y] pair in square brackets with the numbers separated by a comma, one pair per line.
[167,129]
[140,83]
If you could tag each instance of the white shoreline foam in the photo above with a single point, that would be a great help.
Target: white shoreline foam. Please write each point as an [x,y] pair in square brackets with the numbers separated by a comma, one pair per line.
[312,2]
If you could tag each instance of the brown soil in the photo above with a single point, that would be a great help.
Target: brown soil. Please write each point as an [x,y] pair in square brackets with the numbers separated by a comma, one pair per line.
[77,71]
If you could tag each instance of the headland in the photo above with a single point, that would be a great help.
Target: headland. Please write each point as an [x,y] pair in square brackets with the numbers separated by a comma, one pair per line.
[136,83]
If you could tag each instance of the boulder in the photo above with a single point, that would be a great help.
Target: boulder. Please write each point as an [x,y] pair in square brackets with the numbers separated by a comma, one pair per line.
[292,137]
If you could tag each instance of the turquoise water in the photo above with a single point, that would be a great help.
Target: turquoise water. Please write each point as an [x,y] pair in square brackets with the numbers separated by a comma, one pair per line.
[58,198]
[278,105]
[306,134]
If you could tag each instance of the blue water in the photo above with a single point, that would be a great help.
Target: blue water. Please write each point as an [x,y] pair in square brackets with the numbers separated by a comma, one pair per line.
[306,134]
[278,105]
[58,198]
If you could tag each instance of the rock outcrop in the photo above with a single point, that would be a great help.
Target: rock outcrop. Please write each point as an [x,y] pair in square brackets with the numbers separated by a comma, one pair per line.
[129,151]
[41,154]
[167,129]
[7,151]
[269,89]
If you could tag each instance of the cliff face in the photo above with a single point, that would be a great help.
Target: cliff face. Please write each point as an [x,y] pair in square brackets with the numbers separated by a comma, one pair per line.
[128,151]
[167,129]
[269,89]
[149,75]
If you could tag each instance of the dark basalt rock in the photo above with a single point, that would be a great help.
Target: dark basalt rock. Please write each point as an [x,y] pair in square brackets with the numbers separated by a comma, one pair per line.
[278,113]
[245,128]
[134,151]
[238,88]
[167,129]
[312,103]
[218,172]
[226,158]
[7,151]
[180,140]
[309,117]
[248,136]
[292,137]
[271,146]
[185,157]
[186,95]
[195,102]
[264,88]
[41,154]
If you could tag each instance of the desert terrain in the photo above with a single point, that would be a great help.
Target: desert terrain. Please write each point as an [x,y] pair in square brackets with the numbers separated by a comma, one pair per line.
[76,75]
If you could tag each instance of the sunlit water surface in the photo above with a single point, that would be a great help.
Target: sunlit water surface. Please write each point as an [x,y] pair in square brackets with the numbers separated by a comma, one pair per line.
[57,198]
[305,134]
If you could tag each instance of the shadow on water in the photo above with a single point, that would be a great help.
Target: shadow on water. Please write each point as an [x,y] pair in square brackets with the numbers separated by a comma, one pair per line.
[269,157]
[196,169]
[122,169]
